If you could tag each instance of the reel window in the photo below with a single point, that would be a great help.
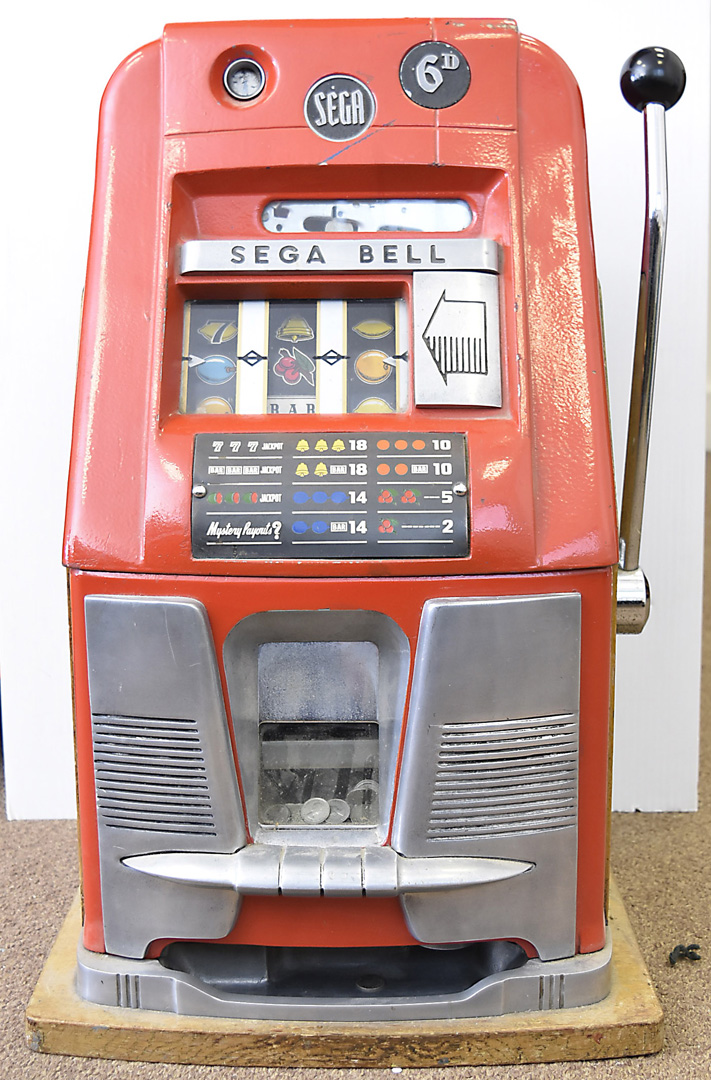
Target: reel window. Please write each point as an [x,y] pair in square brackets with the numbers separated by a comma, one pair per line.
[286,357]
[375,215]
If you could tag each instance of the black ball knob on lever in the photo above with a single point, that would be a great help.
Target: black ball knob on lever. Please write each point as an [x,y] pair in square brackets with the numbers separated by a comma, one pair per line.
[652,76]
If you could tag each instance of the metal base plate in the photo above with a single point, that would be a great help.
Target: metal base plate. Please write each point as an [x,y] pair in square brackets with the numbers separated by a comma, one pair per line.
[369,995]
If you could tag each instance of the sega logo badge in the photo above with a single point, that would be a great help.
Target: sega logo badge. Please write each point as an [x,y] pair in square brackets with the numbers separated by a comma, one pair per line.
[339,108]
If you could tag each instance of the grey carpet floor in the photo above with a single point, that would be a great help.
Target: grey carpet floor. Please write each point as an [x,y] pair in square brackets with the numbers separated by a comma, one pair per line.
[662,864]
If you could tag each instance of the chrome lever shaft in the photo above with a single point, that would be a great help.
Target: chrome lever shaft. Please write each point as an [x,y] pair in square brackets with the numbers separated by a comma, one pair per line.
[652,81]
[645,352]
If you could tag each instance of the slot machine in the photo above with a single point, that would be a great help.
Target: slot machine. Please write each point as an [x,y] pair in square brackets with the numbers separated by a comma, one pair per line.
[341,531]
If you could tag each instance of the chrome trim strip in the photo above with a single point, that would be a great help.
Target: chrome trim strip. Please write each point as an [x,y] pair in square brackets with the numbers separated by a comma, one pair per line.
[302,871]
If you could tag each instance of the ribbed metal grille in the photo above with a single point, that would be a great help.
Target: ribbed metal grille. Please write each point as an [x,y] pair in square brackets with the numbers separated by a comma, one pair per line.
[504,778]
[151,775]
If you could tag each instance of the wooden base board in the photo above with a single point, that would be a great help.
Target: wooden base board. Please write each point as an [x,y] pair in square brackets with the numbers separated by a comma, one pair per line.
[627,1023]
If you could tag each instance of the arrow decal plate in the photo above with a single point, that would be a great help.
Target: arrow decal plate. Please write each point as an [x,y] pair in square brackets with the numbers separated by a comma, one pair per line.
[456,346]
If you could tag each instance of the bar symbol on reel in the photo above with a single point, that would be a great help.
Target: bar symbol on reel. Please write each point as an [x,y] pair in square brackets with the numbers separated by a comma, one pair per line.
[456,337]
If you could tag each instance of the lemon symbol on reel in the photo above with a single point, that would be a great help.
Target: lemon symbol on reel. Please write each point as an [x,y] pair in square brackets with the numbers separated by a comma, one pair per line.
[373,405]
[372,329]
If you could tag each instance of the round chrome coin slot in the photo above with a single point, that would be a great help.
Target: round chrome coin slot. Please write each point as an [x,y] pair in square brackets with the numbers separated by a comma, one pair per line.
[244,79]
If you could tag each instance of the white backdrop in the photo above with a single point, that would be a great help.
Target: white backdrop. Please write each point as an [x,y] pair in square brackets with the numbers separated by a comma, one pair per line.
[56,60]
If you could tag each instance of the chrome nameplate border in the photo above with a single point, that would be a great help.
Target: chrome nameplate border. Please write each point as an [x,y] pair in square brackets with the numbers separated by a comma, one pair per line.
[249,256]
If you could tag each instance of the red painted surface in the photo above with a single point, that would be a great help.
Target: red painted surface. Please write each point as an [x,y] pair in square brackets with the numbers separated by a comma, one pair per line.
[542,489]
[179,160]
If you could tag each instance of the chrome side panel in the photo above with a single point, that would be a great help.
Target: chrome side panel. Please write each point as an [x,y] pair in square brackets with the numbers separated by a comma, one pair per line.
[490,766]
[163,762]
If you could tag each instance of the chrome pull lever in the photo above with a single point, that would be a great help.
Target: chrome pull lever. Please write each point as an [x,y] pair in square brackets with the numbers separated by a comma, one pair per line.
[652,81]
